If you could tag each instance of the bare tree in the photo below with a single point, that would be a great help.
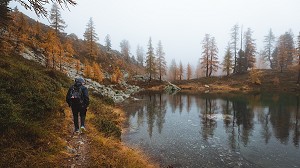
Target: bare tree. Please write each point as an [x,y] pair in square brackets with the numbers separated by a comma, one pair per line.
[39,5]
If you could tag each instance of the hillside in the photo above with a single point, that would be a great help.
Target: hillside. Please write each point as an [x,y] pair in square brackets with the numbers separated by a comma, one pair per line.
[36,125]
[60,50]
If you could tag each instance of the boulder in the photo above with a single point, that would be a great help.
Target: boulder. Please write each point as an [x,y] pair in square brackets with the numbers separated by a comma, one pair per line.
[171,88]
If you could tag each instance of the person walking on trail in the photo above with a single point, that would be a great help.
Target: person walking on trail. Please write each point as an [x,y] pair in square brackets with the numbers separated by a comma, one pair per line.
[78,99]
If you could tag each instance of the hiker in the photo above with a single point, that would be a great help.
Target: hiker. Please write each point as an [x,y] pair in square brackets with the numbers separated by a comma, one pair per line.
[78,99]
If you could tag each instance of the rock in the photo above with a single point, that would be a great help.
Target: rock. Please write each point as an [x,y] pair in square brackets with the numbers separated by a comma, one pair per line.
[207,86]
[80,142]
[118,99]
[171,88]
[70,150]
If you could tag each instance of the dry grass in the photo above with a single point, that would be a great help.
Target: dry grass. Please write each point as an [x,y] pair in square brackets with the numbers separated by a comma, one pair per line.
[110,152]
[258,80]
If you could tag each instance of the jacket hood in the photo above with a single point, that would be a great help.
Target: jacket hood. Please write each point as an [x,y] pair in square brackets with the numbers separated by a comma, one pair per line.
[77,84]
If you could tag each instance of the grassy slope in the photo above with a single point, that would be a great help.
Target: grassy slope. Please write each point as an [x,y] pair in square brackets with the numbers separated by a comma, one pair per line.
[33,109]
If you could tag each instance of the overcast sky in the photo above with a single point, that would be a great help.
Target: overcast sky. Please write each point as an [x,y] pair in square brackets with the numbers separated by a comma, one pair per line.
[179,24]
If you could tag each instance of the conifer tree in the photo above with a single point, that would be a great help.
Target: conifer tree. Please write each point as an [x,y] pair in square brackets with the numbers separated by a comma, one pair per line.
[21,31]
[173,70]
[209,59]
[161,62]
[107,42]
[140,55]
[91,37]
[227,62]
[36,35]
[298,54]
[57,23]
[68,48]
[150,61]
[285,51]
[180,71]
[87,70]
[234,43]
[241,62]
[51,48]
[213,52]
[269,47]
[77,66]
[117,75]
[4,16]
[125,49]
[188,71]
[98,74]
[250,49]
[205,54]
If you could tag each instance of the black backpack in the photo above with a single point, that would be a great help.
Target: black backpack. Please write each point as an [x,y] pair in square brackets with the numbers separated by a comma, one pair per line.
[76,95]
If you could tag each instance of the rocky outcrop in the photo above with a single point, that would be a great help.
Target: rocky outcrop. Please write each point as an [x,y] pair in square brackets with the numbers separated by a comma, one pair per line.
[107,91]
[171,88]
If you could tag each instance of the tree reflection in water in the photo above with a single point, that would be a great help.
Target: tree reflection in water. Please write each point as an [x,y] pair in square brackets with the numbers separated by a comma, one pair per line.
[277,115]
[217,129]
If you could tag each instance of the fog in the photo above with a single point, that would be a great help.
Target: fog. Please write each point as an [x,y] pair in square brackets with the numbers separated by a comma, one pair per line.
[180,25]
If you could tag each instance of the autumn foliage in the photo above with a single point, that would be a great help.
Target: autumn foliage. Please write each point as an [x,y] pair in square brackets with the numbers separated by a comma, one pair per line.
[117,75]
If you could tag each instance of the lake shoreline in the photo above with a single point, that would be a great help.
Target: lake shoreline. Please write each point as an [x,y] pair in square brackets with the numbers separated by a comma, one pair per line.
[269,81]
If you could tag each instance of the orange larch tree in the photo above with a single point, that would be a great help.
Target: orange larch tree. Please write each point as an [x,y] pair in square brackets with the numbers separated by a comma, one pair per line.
[51,47]
[98,74]
[117,75]
[77,66]
[87,70]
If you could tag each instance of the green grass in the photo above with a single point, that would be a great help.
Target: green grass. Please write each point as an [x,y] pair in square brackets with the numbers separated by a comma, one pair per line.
[31,100]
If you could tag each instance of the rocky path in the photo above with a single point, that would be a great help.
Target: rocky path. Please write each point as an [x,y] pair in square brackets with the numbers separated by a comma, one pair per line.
[77,146]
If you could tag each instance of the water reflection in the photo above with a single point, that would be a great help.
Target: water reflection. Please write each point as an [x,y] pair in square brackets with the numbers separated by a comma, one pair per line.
[247,124]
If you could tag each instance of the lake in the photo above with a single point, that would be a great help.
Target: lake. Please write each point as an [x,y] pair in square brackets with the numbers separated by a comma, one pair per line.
[204,130]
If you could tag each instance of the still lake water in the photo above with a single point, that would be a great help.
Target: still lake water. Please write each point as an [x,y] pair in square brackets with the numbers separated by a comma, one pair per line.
[182,130]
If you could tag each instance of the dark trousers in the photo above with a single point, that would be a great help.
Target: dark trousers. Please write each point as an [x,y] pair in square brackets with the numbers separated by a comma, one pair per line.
[82,112]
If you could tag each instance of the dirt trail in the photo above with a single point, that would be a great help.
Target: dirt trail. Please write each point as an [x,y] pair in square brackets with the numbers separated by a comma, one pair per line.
[77,146]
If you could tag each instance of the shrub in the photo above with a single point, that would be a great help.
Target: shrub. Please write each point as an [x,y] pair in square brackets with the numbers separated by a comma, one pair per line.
[255,76]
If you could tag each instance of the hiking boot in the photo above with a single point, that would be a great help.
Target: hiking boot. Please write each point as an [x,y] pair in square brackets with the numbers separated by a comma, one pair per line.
[76,131]
[82,129]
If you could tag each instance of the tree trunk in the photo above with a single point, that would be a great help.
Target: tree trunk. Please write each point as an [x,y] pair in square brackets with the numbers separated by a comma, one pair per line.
[299,71]
[298,76]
